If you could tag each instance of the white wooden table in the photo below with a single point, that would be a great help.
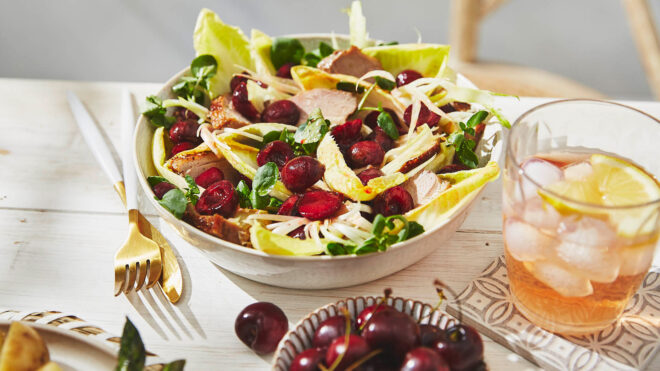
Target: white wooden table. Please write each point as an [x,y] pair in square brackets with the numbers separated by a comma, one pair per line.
[61,222]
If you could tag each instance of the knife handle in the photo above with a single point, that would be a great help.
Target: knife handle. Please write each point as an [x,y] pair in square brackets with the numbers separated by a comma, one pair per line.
[127,125]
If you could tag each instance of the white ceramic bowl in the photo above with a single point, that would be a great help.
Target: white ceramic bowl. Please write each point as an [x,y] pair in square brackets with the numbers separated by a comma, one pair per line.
[313,272]
[301,336]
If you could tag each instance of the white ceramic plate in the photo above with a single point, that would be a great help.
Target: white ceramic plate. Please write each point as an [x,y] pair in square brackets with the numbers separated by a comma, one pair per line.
[73,351]
[301,336]
[307,272]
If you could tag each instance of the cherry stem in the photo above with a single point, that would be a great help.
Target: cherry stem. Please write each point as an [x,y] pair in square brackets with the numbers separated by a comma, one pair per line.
[364,359]
[440,287]
[386,294]
[347,315]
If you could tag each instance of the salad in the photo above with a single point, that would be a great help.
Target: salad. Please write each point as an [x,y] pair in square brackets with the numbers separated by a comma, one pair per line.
[331,151]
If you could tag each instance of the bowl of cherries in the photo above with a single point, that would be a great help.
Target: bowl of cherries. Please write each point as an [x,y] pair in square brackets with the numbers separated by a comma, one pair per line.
[364,333]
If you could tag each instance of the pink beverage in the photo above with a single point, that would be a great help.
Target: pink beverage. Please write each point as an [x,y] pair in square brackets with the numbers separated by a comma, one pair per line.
[580,225]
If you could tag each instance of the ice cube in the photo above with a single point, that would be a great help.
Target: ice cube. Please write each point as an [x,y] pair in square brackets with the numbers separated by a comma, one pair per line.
[563,281]
[524,242]
[587,231]
[596,263]
[636,259]
[540,214]
[578,171]
[542,172]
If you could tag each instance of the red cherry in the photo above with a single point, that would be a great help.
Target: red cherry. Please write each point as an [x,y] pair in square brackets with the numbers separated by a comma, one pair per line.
[356,348]
[219,198]
[298,233]
[161,188]
[302,172]
[365,153]
[276,151]
[423,359]
[185,131]
[209,176]
[182,146]
[425,116]
[308,360]
[281,111]
[318,205]
[285,70]
[405,77]
[261,326]
[329,330]
[393,201]
[347,133]
[379,136]
[366,314]
[461,347]
[368,174]
[242,104]
[393,331]
[289,206]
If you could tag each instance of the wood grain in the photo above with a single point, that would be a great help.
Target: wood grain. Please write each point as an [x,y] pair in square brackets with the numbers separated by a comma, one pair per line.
[61,222]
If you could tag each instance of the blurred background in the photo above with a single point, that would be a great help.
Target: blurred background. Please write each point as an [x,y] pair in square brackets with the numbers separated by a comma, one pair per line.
[587,41]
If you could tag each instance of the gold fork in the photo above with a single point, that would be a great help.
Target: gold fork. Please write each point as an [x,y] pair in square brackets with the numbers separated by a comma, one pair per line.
[139,253]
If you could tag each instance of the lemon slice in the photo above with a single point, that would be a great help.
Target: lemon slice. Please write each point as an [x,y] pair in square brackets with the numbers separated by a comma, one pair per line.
[277,244]
[614,182]
[463,190]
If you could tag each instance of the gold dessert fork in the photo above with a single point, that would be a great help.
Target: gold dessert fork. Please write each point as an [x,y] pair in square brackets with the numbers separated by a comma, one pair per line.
[171,281]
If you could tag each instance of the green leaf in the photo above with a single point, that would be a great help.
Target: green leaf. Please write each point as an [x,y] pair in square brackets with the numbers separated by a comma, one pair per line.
[192,191]
[243,191]
[265,179]
[414,229]
[311,59]
[175,201]
[350,87]
[273,205]
[286,50]
[386,123]
[154,110]
[204,66]
[227,44]
[388,43]
[378,225]
[335,248]
[325,49]
[132,354]
[467,157]
[310,133]
[271,136]
[367,248]
[384,83]
[455,139]
[175,366]
[153,180]
[476,119]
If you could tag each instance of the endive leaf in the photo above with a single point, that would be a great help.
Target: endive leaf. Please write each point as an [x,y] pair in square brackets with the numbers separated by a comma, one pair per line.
[465,187]
[278,244]
[340,178]
[159,155]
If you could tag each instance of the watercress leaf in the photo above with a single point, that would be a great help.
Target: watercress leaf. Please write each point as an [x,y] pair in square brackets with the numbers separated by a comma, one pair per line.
[384,83]
[175,201]
[192,191]
[386,123]
[287,137]
[265,179]
[455,139]
[467,158]
[469,131]
[476,119]
[204,66]
[469,144]
[177,365]
[350,87]
[366,248]
[257,201]
[414,229]
[378,225]
[388,43]
[273,205]
[313,130]
[286,50]
[271,136]
[154,110]
[311,59]
[335,248]
[325,49]
[132,354]
[243,191]
[153,180]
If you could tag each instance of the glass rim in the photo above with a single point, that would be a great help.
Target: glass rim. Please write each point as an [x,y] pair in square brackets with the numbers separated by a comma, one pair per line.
[509,153]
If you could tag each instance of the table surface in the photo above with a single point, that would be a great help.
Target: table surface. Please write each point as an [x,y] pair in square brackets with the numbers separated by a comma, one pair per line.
[61,222]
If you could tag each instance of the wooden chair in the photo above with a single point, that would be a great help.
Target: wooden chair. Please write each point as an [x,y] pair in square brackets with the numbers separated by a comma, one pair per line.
[526,81]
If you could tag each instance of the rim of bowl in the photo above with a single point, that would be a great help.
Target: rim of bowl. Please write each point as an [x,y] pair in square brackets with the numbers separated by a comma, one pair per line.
[521,171]
[142,179]
[308,316]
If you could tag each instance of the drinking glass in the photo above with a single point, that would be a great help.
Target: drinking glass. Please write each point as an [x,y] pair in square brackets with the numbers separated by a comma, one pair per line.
[576,251]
